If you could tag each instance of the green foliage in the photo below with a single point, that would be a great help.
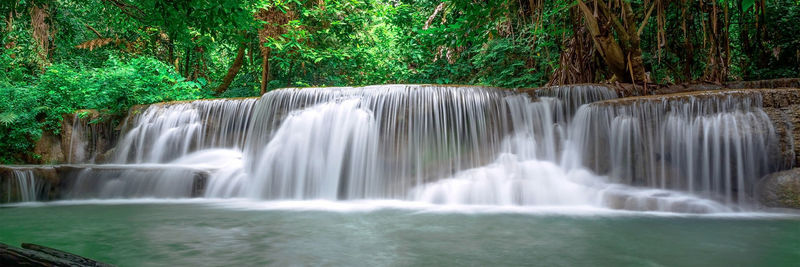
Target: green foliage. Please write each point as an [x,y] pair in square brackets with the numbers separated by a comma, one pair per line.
[19,109]
[62,89]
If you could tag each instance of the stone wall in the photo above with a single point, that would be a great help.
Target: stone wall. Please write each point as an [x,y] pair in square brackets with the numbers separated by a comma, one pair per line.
[783,108]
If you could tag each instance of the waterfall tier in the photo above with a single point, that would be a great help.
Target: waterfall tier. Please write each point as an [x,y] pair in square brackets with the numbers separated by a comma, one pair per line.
[715,145]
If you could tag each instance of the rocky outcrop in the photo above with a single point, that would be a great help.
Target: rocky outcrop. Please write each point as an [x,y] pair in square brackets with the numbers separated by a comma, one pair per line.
[627,90]
[86,136]
[772,84]
[783,108]
[48,148]
[780,190]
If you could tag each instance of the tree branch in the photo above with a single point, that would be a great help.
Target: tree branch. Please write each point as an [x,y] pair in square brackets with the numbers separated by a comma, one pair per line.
[646,18]
[93,30]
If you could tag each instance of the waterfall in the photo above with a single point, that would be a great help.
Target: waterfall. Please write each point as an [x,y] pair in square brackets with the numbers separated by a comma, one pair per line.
[371,142]
[716,145]
[24,186]
[574,96]
[89,135]
[568,145]
[165,132]
[76,152]
[325,151]
[168,150]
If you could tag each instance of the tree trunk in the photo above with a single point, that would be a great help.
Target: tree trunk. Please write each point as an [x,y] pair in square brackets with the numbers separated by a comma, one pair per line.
[744,34]
[604,42]
[264,70]
[688,48]
[623,54]
[576,64]
[237,64]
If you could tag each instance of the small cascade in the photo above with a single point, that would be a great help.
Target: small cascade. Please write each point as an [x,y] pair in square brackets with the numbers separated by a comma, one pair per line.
[143,181]
[165,132]
[77,142]
[574,96]
[88,136]
[715,145]
[514,181]
[23,187]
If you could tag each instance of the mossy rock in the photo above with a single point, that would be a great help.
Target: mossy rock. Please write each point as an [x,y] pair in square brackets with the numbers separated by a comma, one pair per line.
[781,189]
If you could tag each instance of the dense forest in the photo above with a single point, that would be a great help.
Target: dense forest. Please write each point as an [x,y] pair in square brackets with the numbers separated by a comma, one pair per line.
[59,56]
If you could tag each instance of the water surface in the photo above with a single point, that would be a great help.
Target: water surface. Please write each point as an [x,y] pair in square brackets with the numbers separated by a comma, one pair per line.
[236,233]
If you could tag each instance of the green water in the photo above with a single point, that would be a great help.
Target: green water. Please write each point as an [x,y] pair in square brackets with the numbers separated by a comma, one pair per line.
[209,234]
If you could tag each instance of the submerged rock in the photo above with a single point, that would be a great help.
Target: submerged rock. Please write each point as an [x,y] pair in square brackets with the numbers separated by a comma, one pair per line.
[780,189]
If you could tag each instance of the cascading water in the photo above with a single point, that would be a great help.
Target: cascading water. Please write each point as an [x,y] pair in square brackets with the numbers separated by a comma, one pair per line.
[163,133]
[24,186]
[715,145]
[445,145]
[87,136]
[370,142]
[168,150]
[325,151]
[574,96]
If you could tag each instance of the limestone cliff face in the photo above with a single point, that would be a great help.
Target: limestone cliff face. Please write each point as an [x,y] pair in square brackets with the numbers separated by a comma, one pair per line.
[86,136]
[49,149]
[783,108]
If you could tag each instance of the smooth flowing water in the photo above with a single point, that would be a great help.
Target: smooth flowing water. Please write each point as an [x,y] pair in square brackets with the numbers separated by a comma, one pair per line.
[244,233]
[27,188]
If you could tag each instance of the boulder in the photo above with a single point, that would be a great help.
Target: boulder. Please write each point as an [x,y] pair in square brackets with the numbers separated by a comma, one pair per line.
[780,189]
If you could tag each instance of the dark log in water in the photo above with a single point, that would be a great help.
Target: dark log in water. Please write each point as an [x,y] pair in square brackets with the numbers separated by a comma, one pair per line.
[36,255]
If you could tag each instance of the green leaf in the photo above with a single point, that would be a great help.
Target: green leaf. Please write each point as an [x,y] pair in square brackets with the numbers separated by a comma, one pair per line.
[8,117]
[747,4]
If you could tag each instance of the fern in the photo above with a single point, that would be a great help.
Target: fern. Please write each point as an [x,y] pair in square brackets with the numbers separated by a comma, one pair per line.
[7,118]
